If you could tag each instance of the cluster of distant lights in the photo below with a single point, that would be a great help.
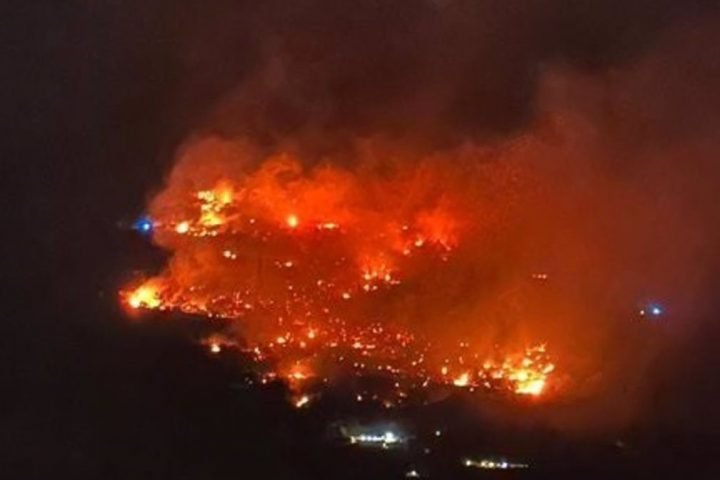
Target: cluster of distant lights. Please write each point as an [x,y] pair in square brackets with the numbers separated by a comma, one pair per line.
[386,439]
[493,464]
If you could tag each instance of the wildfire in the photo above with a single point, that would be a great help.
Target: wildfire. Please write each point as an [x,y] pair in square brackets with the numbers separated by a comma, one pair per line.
[314,296]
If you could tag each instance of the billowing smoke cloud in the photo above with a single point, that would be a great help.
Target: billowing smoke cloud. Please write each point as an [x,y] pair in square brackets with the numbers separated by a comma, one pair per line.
[575,140]
[434,72]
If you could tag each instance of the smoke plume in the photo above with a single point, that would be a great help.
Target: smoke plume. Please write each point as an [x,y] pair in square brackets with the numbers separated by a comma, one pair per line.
[559,155]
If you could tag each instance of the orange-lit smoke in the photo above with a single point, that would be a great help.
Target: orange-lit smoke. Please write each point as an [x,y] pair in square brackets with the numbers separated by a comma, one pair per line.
[490,228]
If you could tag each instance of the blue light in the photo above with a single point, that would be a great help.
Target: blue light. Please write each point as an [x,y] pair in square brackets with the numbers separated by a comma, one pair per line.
[652,309]
[143,225]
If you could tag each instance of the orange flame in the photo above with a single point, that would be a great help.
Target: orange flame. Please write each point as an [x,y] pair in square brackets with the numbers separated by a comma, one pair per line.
[144,296]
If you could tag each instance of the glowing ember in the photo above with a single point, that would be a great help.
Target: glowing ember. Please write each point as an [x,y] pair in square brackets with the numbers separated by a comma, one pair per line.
[463,380]
[292,221]
[182,228]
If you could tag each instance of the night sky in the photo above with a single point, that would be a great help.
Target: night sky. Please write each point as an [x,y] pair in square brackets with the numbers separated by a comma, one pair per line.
[97,97]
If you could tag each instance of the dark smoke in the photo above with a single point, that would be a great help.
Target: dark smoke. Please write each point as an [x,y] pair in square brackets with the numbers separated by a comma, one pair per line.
[431,73]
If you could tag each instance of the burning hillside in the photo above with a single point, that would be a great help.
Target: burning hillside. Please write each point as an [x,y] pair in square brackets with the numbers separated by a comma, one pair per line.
[329,271]
[392,243]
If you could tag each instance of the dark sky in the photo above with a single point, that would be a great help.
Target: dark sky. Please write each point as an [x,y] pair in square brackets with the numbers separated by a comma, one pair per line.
[96,96]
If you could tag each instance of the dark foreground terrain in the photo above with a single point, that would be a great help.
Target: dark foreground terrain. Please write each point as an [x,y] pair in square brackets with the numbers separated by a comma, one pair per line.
[132,400]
